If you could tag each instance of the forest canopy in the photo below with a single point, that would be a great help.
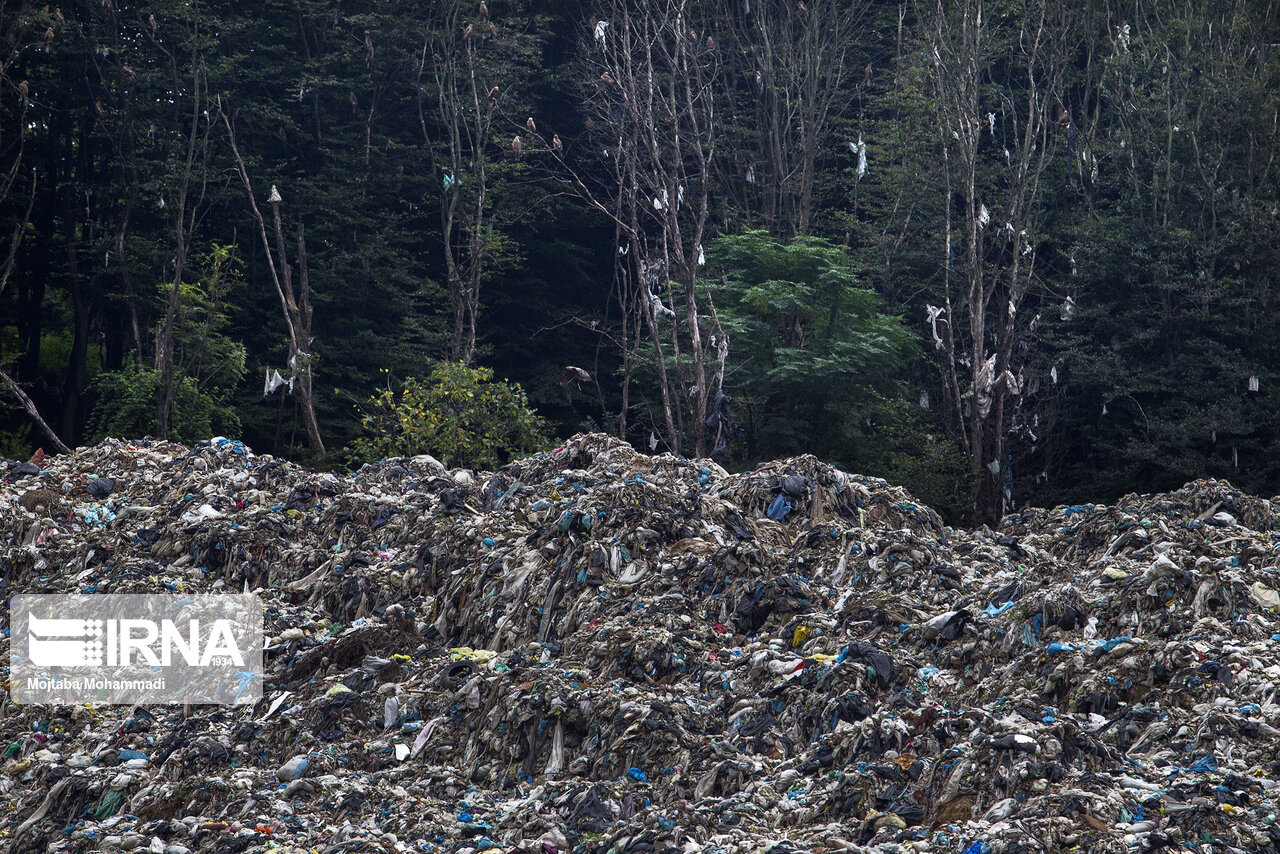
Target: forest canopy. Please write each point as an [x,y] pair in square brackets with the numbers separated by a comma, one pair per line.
[1003,253]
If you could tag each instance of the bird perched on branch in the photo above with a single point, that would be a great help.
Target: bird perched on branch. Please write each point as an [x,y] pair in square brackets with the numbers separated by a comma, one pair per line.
[151,19]
[530,125]
[484,10]
[493,94]
[555,143]
[607,78]
[48,39]
[575,375]
[516,145]
[466,34]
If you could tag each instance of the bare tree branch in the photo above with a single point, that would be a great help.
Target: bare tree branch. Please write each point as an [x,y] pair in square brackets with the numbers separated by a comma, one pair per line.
[297,315]
[30,407]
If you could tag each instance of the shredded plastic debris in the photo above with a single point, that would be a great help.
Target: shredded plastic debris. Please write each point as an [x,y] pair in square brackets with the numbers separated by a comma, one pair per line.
[595,650]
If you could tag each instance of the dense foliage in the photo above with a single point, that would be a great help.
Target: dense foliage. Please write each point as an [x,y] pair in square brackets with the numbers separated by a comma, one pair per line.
[459,415]
[208,367]
[1002,252]
[808,347]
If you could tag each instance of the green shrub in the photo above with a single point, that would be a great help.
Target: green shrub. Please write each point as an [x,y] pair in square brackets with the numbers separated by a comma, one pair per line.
[207,365]
[127,407]
[458,415]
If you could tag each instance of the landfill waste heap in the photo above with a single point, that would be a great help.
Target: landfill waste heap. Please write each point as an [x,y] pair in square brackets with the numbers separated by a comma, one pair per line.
[593,650]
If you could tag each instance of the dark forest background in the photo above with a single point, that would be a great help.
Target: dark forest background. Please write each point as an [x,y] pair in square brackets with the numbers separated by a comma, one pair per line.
[1000,252]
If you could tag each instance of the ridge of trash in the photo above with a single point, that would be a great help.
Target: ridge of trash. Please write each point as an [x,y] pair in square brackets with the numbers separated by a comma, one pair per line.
[597,651]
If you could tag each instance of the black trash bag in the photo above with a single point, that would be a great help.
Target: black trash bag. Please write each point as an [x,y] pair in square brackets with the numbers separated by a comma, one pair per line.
[872,656]
[946,627]
[720,424]
[738,526]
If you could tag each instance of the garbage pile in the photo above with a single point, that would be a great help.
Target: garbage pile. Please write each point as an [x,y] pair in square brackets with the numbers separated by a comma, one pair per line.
[593,650]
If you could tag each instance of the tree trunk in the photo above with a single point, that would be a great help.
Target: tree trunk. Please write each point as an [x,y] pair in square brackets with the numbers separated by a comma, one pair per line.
[664,384]
[699,364]
[304,359]
[297,317]
[74,378]
[30,407]
[77,371]
[182,232]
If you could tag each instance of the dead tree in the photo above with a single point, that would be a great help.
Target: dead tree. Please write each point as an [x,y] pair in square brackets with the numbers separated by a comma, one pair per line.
[459,58]
[13,145]
[996,137]
[29,405]
[653,98]
[14,29]
[187,199]
[793,79]
[294,302]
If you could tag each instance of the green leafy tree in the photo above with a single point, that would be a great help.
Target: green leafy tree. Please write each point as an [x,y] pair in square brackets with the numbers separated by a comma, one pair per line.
[127,402]
[459,414]
[811,354]
[208,365]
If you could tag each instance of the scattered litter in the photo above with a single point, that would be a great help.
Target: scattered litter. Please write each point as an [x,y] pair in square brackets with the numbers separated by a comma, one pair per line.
[595,650]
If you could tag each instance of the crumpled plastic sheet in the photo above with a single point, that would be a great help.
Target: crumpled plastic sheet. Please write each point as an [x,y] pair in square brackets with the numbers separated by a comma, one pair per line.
[594,650]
